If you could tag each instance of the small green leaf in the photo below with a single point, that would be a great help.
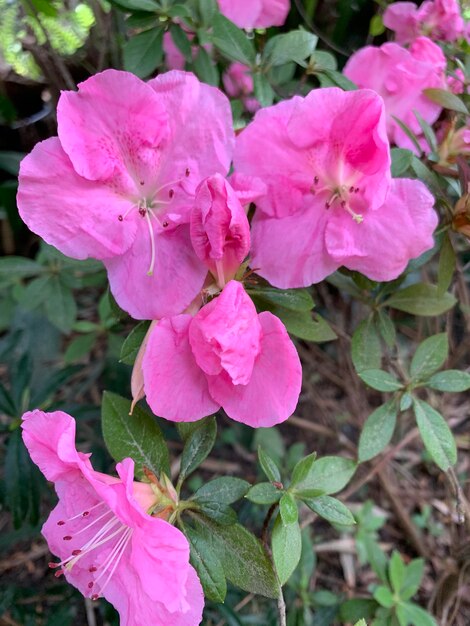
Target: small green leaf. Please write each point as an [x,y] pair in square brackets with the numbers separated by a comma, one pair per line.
[396,572]
[137,436]
[376,26]
[288,509]
[428,133]
[292,299]
[380,380]
[449,380]
[226,490]
[401,161]
[430,355]
[263,493]
[352,610]
[324,61]
[409,133]
[332,78]
[218,511]
[15,267]
[406,401]
[412,579]
[286,547]
[331,509]
[294,46]
[207,566]
[181,41]
[197,447]
[232,41]
[205,68]
[138,5]
[303,469]
[446,99]
[426,175]
[384,597]
[328,475]
[61,308]
[446,269]
[143,53]
[79,347]
[421,299]
[243,558]
[386,328]
[366,351]
[132,343]
[263,91]
[436,435]
[410,613]
[268,466]
[377,431]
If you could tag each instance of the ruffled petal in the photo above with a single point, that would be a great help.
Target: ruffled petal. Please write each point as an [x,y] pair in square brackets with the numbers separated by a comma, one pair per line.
[272,393]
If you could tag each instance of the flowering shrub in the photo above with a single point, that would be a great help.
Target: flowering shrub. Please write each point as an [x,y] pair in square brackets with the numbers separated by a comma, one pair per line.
[222,219]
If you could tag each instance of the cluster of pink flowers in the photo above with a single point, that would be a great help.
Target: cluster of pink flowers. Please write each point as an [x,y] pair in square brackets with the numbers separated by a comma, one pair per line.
[137,178]
[400,74]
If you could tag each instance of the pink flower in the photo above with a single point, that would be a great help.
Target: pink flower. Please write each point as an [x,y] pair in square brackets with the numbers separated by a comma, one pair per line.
[325,159]
[226,356]
[238,83]
[251,14]
[400,76]
[220,232]
[457,83]
[118,183]
[107,543]
[440,20]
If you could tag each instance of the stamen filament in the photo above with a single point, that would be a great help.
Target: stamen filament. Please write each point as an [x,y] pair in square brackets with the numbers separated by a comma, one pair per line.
[152,244]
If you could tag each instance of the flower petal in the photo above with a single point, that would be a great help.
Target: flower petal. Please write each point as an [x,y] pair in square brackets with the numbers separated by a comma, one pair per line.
[175,386]
[77,216]
[272,393]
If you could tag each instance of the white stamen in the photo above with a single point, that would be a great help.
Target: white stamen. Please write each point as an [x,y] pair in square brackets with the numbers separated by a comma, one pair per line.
[116,556]
[152,244]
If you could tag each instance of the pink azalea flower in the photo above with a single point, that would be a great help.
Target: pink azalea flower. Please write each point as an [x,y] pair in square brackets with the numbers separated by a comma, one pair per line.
[400,76]
[118,183]
[326,165]
[107,543]
[225,356]
[440,20]
[220,232]
[238,83]
[251,14]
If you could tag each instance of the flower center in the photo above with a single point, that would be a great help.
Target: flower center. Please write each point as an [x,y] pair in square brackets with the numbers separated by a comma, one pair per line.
[151,209]
[109,532]
[338,195]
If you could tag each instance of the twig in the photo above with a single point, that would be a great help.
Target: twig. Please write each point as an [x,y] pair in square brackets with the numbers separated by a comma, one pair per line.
[267,519]
[281,607]
[90,612]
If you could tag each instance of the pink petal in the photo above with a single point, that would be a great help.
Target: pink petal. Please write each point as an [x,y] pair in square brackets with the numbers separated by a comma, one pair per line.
[383,244]
[402,17]
[77,216]
[225,334]
[248,188]
[113,124]
[175,386]
[243,13]
[271,394]
[177,277]
[290,252]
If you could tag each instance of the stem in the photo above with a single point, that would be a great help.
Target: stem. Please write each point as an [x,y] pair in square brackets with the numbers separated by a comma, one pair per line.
[267,519]
[281,607]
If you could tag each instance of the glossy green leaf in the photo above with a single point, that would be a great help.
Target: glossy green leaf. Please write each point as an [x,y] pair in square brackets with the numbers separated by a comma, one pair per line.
[331,509]
[380,380]
[401,161]
[232,42]
[143,53]
[377,431]
[226,490]
[263,493]
[207,565]
[449,380]
[269,466]
[446,99]
[288,509]
[197,446]
[430,355]
[294,46]
[286,545]
[132,343]
[436,435]
[329,475]
[421,299]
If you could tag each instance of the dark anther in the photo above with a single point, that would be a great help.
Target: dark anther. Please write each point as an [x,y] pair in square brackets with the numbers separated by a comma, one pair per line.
[120,218]
[142,212]
[165,224]
[187,172]
[67,538]
[171,193]
[61,523]
[316,180]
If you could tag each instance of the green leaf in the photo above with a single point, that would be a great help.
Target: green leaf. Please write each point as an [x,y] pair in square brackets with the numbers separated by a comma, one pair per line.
[302,325]
[430,356]
[292,299]
[354,609]
[132,343]
[436,435]
[263,493]
[243,558]
[386,328]
[143,53]
[324,61]
[197,447]
[449,380]
[226,490]
[361,622]
[409,133]
[336,79]
[232,42]
[268,466]
[207,565]
[401,161]
[328,475]
[426,175]
[366,351]
[61,308]
[377,431]
[331,509]
[380,380]
[384,597]
[376,26]
[79,347]
[446,99]
[294,46]
[207,9]
[286,544]
[181,41]
[412,614]
[421,299]
[137,436]
[412,579]
[218,511]
[303,469]
[428,132]
[138,5]
[446,269]
[288,509]
[205,68]
[263,91]
[396,572]
[406,401]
